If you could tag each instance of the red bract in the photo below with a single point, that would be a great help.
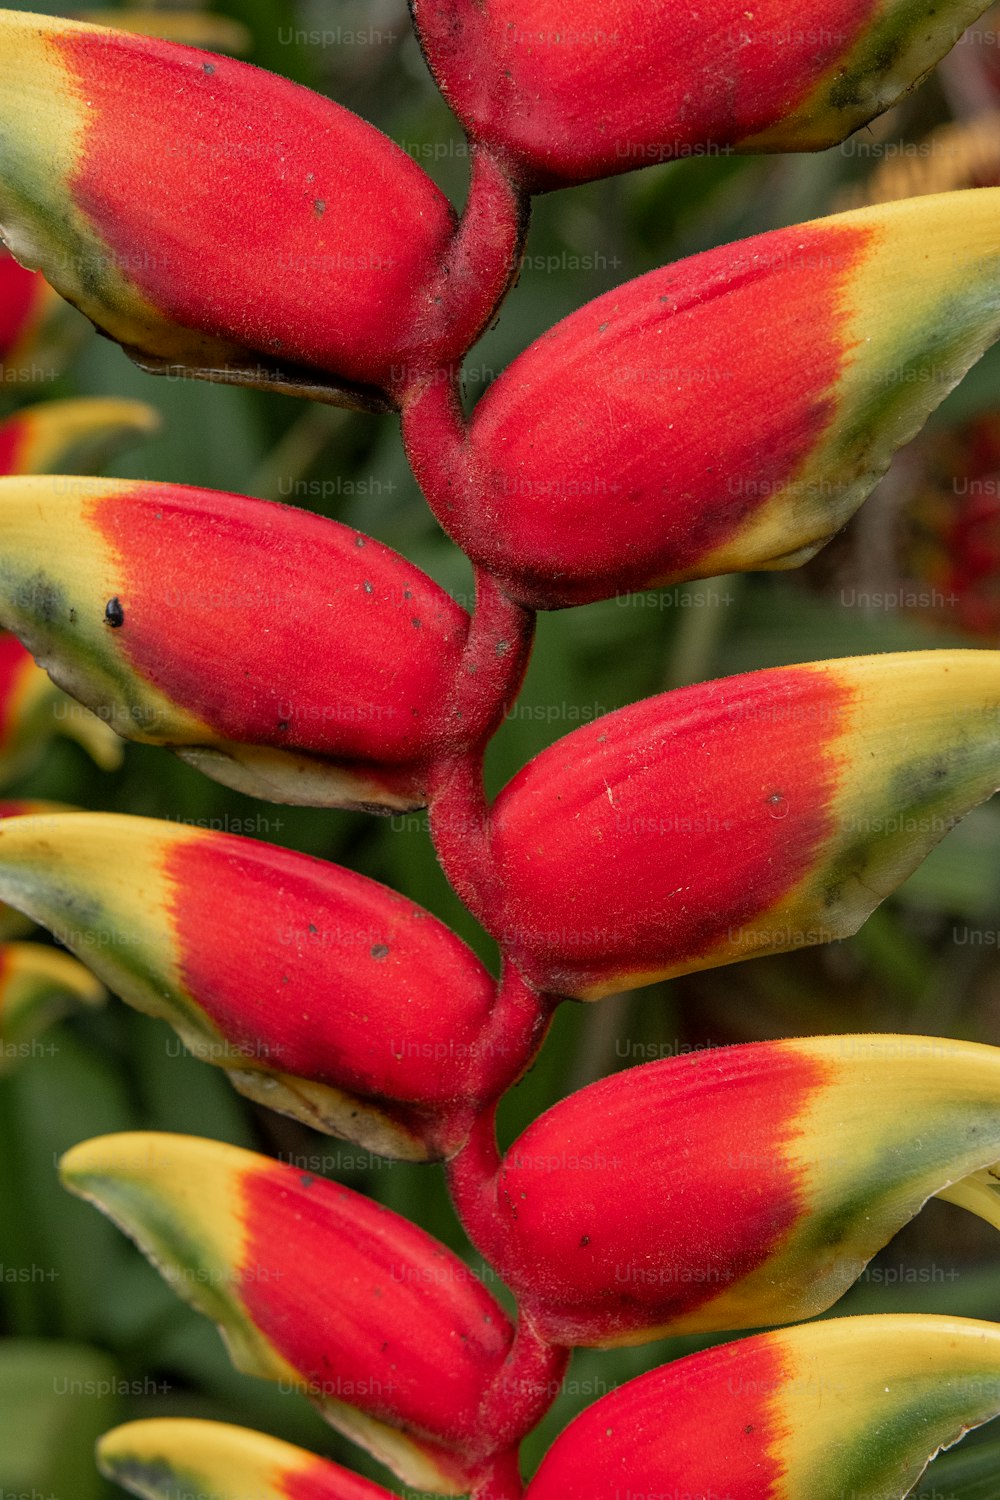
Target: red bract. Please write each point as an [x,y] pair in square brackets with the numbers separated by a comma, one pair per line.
[322,993]
[695,1194]
[851,1406]
[571,92]
[383,1328]
[281,653]
[338,298]
[728,412]
[751,815]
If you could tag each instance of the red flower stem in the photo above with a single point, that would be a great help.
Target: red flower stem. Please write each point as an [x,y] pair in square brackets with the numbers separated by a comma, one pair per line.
[475,275]
[513,1034]
[435,436]
[525,1388]
[492,668]
[502,1481]
[486,253]
[472,1174]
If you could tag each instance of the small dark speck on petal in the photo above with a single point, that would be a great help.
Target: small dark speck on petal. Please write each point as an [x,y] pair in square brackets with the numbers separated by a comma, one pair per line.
[320,206]
[209,67]
[584,1241]
[307,1180]
[114,614]
[369,586]
[380,950]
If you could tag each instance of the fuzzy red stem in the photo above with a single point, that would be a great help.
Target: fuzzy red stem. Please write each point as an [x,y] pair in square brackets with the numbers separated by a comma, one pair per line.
[472,1175]
[513,1034]
[473,279]
[435,436]
[493,666]
[502,1482]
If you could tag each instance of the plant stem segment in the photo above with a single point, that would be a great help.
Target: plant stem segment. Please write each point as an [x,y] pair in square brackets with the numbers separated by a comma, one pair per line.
[475,275]
[490,675]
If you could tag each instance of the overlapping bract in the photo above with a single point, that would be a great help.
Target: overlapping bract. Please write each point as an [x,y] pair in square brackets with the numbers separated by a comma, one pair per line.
[321,993]
[400,1356]
[130,170]
[854,1406]
[735,1188]
[283,654]
[632,445]
[751,815]
[569,92]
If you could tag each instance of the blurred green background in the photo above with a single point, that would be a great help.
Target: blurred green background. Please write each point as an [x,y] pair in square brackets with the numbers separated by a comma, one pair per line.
[77,1304]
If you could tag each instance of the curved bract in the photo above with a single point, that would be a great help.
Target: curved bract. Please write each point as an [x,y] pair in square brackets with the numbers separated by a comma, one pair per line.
[751,815]
[321,993]
[571,92]
[313,1286]
[281,653]
[854,1406]
[736,1187]
[160,1458]
[327,301]
[725,413]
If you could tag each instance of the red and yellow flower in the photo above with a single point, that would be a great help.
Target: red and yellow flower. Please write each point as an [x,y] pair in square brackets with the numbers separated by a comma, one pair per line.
[569,93]
[736,1187]
[320,992]
[751,815]
[853,1406]
[283,654]
[137,175]
[317,1288]
[631,447]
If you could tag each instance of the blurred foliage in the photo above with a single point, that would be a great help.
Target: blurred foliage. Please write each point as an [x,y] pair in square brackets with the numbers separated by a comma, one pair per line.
[76,1301]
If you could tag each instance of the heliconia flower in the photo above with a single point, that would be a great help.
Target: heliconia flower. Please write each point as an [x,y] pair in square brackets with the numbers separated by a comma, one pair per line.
[321,993]
[725,413]
[33,709]
[37,987]
[315,1287]
[572,94]
[847,1407]
[735,1187]
[751,815]
[283,654]
[328,299]
[80,435]
[161,1458]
